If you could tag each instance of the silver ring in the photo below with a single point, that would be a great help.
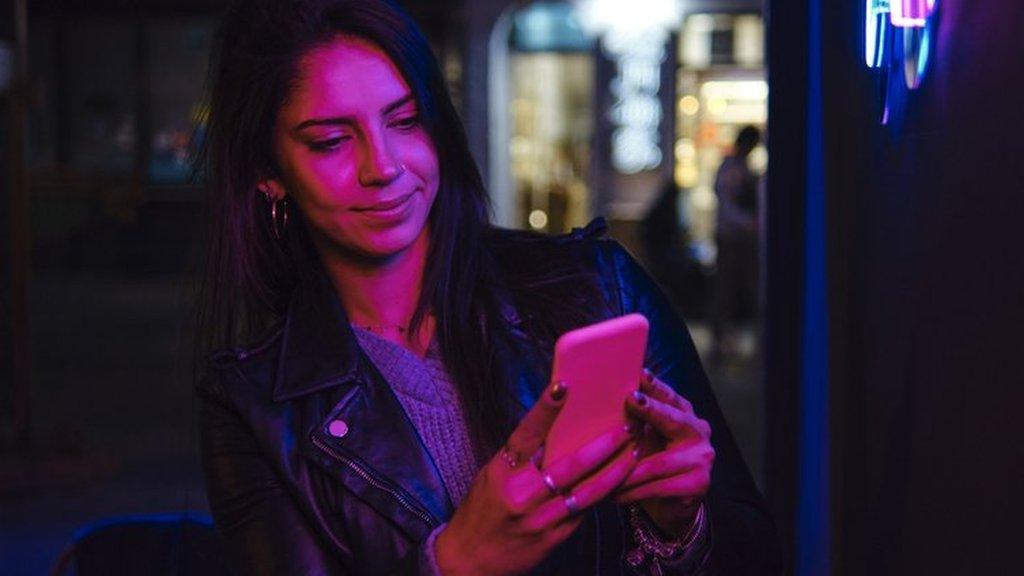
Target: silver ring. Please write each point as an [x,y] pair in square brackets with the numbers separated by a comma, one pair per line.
[550,483]
[571,504]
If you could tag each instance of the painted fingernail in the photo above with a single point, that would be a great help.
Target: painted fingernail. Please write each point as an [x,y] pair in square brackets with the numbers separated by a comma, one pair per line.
[641,398]
[558,390]
[636,453]
[648,376]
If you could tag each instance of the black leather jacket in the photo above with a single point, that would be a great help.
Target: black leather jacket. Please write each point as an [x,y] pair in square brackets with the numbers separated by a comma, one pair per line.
[290,498]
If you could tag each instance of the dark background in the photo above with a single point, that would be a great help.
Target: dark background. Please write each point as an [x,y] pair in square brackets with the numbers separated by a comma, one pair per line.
[925,294]
[920,465]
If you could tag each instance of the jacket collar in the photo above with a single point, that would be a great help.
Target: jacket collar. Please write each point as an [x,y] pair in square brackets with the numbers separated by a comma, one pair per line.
[318,349]
[320,352]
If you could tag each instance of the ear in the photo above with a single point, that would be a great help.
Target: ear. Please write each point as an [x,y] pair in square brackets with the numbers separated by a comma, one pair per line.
[272,187]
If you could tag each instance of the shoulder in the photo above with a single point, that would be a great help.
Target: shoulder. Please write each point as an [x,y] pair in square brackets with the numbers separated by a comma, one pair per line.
[567,263]
[245,370]
[522,251]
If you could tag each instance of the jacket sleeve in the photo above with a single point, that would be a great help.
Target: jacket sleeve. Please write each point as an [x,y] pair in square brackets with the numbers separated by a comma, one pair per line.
[745,539]
[262,530]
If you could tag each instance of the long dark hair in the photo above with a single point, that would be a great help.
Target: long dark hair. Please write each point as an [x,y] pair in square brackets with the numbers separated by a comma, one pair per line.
[248,276]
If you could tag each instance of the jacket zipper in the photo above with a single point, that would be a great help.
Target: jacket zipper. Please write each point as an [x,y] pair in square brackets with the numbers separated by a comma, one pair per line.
[373,481]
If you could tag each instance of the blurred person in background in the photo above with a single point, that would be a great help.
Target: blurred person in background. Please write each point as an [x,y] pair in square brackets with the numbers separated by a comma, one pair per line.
[736,187]
[668,255]
[376,389]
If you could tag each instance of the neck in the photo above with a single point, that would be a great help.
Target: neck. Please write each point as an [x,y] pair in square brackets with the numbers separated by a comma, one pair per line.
[382,294]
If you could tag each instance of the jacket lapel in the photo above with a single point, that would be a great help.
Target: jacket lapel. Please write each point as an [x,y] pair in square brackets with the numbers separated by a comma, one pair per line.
[522,363]
[365,440]
[368,443]
[318,350]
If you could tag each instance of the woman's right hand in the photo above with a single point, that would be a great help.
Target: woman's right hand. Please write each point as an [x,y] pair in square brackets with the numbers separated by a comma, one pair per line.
[516,514]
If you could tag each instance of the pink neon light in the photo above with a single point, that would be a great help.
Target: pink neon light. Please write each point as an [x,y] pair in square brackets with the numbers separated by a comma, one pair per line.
[911,13]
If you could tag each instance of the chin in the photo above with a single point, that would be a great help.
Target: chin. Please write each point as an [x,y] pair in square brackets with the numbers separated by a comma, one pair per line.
[382,250]
[383,244]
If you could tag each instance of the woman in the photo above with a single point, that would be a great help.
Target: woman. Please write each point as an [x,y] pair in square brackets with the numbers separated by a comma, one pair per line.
[377,424]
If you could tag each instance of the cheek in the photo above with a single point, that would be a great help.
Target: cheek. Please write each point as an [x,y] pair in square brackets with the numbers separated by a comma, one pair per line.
[425,159]
[322,181]
[332,178]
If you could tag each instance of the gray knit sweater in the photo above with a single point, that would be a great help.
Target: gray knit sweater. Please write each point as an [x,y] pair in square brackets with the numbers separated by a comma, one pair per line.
[431,401]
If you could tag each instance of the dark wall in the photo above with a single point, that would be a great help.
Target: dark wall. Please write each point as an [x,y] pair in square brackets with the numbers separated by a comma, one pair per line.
[926,268]
[924,244]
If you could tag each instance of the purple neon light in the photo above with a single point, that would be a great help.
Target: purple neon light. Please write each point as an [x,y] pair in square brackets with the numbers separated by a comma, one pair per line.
[911,13]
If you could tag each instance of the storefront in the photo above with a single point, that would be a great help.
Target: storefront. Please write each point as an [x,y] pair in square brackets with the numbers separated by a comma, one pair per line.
[720,88]
[594,106]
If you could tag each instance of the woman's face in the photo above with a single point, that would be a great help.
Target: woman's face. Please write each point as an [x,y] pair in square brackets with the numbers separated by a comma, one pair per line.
[354,154]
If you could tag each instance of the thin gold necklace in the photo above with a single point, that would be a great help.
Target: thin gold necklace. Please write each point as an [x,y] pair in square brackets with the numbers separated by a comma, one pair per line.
[382,327]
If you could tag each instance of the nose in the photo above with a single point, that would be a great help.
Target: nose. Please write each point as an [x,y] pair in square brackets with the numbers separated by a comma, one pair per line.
[378,165]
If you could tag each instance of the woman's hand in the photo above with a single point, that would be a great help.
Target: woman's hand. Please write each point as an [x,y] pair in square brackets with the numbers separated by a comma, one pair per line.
[515,514]
[674,471]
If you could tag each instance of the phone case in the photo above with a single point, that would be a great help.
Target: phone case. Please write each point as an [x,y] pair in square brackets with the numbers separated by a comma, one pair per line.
[601,364]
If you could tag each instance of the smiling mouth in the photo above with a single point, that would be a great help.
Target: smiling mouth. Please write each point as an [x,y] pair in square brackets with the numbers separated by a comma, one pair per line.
[386,205]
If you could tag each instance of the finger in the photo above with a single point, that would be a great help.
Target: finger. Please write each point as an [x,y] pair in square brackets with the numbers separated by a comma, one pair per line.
[650,441]
[527,487]
[668,420]
[570,469]
[533,428]
[587,493]
[692,484]
[550,533]
[656,388]
[600,485]
[668,464]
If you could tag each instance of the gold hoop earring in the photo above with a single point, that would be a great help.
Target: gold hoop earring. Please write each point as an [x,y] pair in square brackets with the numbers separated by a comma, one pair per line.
[279,231]
[278,215]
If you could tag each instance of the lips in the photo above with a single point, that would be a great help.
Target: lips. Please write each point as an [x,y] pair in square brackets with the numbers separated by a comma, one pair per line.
[386,205]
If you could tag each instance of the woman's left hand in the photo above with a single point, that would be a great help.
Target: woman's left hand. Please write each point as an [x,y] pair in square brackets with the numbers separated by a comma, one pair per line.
[674,471]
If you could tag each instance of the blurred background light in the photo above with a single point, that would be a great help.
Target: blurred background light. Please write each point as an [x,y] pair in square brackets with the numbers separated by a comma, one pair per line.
[538,219]
[875,31]
[689,105]
[911,13]
[634,35]
[911,24]
[548,26]
[633,18]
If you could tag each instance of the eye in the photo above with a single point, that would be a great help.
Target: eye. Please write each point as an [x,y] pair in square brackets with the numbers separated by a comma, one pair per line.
[406,122]
[327,144]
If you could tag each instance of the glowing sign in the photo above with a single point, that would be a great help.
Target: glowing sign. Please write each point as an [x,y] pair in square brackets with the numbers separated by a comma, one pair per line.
[633,34]
[637,112]
[917,54]
[909,24]
[911,13]
[875,31]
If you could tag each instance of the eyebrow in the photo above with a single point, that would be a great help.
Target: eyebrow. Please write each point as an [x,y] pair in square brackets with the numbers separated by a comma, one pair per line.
[335,120]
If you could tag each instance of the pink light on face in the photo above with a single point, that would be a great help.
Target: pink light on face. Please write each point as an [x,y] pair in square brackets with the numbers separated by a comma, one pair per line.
[911,13]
